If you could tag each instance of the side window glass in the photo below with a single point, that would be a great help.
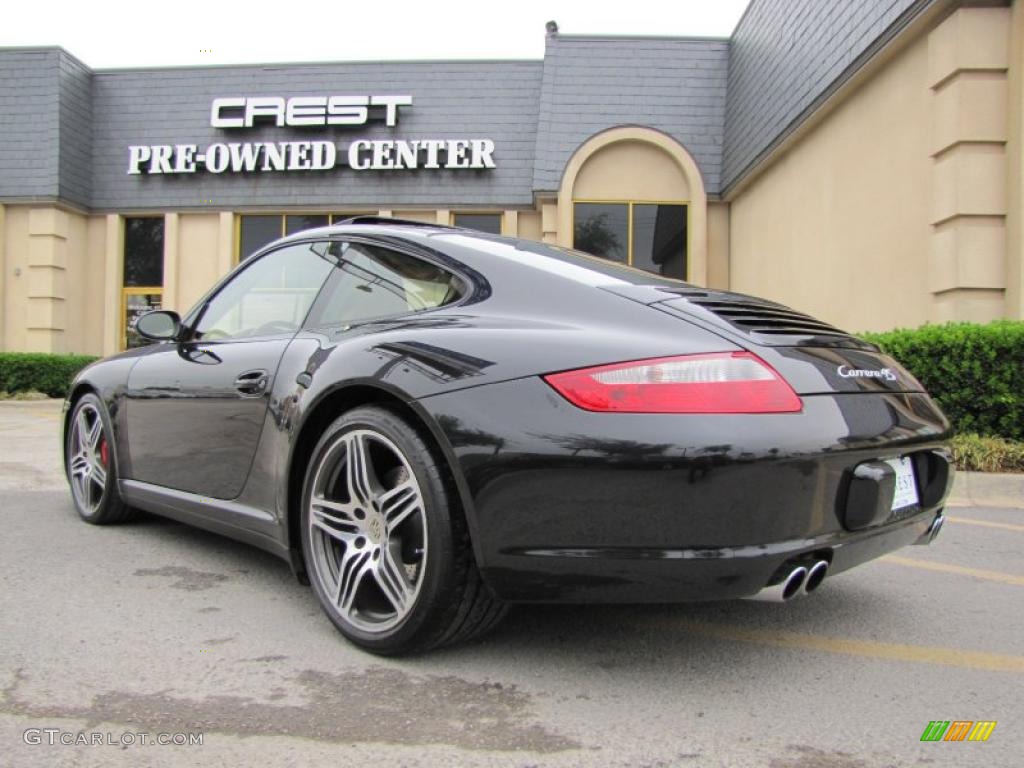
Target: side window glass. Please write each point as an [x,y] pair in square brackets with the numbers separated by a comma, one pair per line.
[270,296]
[371,282]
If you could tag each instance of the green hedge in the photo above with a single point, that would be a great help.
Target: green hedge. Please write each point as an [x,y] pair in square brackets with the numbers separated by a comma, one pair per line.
[30,371]
[975,372]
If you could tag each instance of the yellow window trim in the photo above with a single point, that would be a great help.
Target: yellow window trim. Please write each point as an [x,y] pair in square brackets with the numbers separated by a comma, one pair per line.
[135,290]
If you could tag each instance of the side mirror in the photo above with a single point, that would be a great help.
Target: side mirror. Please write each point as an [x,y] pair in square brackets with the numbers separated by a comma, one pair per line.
[159,325]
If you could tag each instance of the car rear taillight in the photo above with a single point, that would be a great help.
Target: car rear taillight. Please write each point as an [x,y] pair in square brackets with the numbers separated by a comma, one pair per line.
[725,382]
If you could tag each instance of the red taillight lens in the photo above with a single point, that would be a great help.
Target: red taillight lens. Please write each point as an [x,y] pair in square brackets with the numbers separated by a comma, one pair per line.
[725,382]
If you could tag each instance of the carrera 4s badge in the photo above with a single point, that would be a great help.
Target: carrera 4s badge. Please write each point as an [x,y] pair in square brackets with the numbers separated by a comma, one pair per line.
[862,373]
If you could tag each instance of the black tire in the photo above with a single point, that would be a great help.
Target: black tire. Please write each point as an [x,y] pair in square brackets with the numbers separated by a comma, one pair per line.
[451,603]
[94,506]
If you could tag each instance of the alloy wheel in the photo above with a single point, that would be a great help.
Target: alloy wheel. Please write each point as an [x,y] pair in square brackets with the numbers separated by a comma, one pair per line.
[90,458]
[368,530]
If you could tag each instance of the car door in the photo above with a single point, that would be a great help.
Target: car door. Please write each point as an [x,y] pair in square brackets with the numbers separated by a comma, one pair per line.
[195,408]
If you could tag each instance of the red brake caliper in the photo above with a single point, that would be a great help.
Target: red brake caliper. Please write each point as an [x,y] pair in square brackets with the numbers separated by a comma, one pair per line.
[104,453]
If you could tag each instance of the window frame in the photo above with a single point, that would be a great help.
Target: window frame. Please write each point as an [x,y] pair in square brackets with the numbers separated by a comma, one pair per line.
[629,225]
[316,308]
[138,290]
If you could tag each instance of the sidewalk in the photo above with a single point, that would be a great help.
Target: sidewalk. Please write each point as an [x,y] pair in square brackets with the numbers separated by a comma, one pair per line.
[30,435]
[985,489]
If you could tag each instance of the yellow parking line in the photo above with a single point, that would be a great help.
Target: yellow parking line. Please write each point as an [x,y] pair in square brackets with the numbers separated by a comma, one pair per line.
[924,654]
[977,573]
[986,524]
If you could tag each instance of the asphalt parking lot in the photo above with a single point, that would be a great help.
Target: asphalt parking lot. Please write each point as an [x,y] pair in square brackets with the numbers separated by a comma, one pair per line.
[154,627]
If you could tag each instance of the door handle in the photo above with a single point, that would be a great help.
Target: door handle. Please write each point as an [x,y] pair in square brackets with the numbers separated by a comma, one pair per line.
[252,383]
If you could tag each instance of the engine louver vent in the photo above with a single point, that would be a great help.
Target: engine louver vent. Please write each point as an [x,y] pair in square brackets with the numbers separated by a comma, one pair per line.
[767,318]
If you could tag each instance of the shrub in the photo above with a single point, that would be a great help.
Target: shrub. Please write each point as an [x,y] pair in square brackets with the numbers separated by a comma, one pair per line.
[975,372]
[975,453]
[31,371]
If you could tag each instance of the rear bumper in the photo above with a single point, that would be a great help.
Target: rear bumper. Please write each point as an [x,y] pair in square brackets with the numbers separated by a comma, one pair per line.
[570,506]
[684,575]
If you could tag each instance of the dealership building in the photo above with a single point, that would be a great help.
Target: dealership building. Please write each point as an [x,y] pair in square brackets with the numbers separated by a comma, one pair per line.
[861,162]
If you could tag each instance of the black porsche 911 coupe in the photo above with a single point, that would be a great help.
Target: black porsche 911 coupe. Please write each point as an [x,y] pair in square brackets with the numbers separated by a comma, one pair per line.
[429,423]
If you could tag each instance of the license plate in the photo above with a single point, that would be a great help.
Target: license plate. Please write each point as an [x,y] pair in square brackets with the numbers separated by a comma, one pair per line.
[906,488]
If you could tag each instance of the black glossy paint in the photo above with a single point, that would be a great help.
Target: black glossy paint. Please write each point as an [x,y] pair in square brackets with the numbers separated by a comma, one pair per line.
[183,396]
[562,504]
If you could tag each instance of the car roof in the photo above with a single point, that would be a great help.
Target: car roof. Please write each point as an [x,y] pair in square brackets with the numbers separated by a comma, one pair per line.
[580,267]
[379,225]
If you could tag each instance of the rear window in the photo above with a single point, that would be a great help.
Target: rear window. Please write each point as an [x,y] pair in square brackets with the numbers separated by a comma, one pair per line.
[371,282]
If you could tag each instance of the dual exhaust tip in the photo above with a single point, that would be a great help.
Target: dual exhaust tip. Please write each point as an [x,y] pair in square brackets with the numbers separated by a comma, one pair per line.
[800,580]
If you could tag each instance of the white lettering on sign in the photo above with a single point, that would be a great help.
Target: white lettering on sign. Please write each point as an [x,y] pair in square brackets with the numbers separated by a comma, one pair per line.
[136,157]
[184,158]
[305,111]
[361,155]
[217,158]
[230,112]
[357,161]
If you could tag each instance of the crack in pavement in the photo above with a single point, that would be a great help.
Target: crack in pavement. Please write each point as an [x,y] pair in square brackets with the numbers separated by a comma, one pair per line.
[187,579]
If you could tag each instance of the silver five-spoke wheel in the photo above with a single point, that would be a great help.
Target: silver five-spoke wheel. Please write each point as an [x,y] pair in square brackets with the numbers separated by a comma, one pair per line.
[89,458]
[368,529]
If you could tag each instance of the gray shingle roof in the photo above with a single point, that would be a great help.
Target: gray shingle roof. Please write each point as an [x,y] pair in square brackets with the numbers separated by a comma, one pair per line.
[29,132]
[591,84]
[75,121]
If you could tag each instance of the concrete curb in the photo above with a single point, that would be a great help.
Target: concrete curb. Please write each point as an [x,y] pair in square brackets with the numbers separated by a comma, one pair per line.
[987,489]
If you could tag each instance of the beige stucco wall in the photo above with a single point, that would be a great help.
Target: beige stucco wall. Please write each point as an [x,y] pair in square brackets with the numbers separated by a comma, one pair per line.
[426,216]
[631,170]
[93,299]
[53,267]
[3,273]
[198,266]
[718,245]
[83,283]
[1014,298]
[15,297]
[968,59]
[839,226]
[530,225]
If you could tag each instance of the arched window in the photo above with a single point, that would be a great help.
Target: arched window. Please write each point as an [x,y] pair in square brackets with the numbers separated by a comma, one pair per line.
[635,195]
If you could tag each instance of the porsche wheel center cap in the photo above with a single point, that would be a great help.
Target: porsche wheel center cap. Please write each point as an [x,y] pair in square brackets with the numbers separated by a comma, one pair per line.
[375,528]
